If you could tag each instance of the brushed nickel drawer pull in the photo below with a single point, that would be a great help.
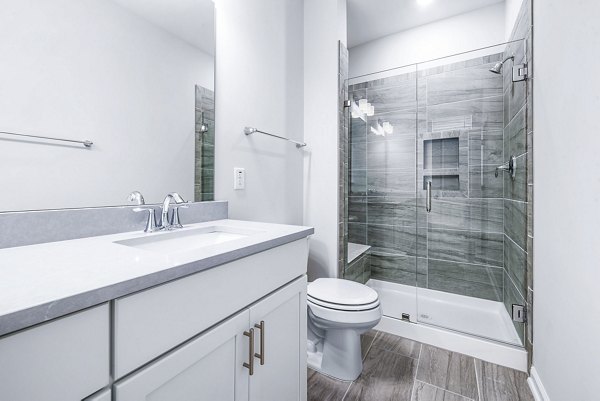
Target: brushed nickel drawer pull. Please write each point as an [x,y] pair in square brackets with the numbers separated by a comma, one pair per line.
[261,356]
[250,364]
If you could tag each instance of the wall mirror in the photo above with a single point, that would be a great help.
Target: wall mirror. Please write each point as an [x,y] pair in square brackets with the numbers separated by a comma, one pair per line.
[135,78]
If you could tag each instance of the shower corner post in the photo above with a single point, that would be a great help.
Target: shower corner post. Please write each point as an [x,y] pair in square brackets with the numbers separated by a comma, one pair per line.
[343,160]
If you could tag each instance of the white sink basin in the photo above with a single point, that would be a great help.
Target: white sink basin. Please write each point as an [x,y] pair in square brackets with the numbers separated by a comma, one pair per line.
[187,240]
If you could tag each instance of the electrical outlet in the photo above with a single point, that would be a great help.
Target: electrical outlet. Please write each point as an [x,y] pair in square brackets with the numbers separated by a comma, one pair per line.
[239,178]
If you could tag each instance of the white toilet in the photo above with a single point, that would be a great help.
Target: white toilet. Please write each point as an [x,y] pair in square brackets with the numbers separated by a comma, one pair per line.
[339,311]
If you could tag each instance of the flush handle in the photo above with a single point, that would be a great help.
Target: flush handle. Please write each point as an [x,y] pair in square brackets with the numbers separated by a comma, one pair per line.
[261,355]
[250,364]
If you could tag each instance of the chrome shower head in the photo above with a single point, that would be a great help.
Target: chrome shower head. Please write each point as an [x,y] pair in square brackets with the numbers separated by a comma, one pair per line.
[497,68]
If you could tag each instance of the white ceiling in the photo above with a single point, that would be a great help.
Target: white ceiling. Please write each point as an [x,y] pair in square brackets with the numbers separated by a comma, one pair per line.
[190,20]
[372,19]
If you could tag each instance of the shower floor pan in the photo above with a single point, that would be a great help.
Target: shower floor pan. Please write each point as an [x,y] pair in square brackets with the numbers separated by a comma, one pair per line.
[472,326]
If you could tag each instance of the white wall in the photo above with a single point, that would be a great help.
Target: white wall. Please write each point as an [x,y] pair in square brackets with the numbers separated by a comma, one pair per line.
[465,32]
[511,11]
[320,126]
[91,69]
[567,198]
[259,84]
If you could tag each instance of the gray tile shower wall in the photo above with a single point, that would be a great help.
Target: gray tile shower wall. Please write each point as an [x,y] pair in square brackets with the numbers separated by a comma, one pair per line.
[359,269]
[36,227]
[204,161]
[518,192]
[448,127]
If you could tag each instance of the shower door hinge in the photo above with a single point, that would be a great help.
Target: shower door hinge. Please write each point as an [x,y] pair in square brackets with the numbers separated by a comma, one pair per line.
[519,313]
[346,104]
[519,72]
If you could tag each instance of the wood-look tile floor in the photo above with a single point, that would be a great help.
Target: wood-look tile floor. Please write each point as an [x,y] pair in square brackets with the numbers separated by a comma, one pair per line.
[398,369]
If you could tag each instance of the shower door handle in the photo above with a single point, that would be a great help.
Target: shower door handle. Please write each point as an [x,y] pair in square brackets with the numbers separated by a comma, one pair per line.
[428,200]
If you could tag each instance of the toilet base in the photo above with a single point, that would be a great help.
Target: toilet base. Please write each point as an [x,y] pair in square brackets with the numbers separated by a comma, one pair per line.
[343,358]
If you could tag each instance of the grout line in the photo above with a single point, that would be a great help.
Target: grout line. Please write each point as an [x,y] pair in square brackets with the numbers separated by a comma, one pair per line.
[513,241]
[447,391]
[466,100]
[514,200]
[515,287]
[418,361]
[370,346]
[347,391]
[412,389]
[477,380]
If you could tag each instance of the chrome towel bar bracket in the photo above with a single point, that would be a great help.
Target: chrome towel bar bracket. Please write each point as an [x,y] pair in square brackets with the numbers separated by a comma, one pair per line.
[250,130]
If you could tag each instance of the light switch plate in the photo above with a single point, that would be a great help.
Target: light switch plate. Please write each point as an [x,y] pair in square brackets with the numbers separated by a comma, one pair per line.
[239,178]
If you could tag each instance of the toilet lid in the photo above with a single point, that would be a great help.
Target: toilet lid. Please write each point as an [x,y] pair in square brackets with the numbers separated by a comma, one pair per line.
[341,292]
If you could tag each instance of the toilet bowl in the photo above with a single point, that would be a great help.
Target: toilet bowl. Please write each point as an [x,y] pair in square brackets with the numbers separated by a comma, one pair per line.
[339,311]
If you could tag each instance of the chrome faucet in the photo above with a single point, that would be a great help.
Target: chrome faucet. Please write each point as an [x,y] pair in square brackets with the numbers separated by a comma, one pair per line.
[138,198]
[174,222]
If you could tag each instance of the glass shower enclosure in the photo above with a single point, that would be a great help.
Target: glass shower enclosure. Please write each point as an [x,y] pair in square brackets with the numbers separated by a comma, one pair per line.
[437,188]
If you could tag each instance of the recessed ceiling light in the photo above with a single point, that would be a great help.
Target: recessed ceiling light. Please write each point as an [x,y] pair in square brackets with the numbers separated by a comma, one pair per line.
[424,2]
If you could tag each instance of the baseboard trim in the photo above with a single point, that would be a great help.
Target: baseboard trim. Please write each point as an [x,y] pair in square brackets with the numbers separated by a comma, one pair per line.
[537,387]
[500,354]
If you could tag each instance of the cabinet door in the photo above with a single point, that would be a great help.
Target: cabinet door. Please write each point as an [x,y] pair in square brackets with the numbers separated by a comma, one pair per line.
[282,377]
[208,368]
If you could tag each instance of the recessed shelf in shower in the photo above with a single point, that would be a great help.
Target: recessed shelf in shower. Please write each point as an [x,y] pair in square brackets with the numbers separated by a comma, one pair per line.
[440,153]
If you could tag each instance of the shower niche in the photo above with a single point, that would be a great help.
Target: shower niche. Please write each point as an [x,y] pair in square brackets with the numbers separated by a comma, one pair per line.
[442,160]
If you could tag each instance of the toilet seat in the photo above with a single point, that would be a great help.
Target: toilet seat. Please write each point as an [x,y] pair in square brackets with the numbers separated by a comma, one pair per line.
[342,294]
[336,316]
[342,307]
[343,301]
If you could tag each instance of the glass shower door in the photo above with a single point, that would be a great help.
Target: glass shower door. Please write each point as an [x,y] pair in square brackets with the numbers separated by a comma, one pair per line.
[382,173]
[462,206]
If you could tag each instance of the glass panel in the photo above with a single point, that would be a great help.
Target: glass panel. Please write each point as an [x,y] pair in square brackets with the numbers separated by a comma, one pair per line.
[461,140]
[382,170]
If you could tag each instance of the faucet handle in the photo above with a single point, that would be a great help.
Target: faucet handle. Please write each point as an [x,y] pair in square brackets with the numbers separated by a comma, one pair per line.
[137,197]
[151,221]
[174,221]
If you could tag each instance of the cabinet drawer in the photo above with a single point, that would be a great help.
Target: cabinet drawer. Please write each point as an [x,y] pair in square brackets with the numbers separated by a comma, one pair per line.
[151,322]
[64,360]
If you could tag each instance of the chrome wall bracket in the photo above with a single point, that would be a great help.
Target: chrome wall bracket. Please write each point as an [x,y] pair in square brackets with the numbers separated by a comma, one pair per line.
[519,72]
[519,313]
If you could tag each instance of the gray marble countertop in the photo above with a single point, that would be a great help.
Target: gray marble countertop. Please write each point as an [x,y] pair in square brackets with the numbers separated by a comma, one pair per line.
[46,281]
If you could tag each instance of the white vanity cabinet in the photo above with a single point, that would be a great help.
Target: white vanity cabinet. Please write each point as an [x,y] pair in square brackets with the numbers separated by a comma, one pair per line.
[149,323]
[66,359]
[224,363]
[234,331]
